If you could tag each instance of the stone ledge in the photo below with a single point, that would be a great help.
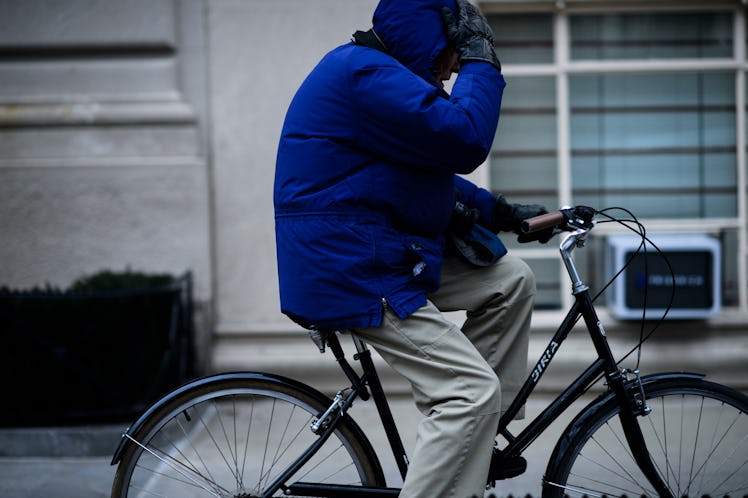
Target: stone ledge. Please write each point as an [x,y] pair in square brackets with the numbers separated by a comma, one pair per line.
[95,113]
[720,353]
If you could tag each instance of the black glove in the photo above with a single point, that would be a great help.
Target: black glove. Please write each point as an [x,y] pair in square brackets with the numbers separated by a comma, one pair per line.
[509,217]
[470,33]
[463,219]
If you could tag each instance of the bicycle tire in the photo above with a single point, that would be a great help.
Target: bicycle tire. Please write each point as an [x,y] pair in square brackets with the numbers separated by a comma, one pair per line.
[696,434]
[232,437]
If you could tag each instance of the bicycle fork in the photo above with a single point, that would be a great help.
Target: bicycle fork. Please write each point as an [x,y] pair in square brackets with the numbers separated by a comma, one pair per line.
[631,400]
[633,404]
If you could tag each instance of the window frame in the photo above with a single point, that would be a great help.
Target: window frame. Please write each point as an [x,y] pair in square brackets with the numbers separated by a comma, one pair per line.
[563,67]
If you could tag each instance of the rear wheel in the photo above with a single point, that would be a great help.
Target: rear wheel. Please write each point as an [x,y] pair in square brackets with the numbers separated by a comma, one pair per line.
[233,438]
[696,434]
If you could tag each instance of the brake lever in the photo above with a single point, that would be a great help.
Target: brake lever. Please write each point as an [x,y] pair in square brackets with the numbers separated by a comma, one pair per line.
[579,217]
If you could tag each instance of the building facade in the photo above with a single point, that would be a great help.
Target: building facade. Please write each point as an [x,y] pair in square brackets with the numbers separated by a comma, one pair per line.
[142,134]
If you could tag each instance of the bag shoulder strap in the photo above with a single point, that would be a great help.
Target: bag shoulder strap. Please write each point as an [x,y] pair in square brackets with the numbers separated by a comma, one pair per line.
[370,39]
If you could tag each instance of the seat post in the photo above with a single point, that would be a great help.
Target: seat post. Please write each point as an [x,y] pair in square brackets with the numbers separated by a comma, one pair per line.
[359,343]
[358,383]
[383,407]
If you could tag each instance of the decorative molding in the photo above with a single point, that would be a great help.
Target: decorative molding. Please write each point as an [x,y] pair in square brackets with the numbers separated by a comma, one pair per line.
[543,322]
[720,354]
[105,162]
[524,6]
[83,113]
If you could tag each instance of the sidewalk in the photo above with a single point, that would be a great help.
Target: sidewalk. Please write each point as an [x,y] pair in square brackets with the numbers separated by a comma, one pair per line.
[73,462]
[63,462]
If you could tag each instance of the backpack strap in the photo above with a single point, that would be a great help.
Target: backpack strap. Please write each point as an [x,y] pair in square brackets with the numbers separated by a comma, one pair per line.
[370,39]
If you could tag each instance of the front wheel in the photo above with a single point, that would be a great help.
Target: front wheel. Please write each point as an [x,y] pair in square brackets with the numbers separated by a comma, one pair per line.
[234,436]
[696,434]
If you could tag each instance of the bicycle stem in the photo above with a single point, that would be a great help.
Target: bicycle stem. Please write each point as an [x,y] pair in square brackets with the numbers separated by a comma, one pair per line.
[572,241]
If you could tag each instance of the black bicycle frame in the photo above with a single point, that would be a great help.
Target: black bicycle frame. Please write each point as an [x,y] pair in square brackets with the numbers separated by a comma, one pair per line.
[605,365]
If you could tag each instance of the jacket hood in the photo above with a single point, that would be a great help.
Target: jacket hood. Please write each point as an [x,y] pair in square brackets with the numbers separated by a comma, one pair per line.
[413,32]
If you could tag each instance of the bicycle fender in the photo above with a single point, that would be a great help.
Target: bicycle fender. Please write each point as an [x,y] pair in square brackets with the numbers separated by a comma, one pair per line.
[126,440]
[608,397]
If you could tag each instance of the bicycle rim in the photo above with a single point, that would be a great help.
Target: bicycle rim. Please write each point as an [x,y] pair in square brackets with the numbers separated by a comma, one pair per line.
[232,440]
[696,434]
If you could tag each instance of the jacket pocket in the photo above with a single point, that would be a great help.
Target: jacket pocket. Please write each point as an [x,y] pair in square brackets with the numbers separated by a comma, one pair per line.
[424,260]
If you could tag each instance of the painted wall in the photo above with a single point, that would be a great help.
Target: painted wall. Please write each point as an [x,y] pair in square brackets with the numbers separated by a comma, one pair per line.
[260,52]
[103,142]
[142,135]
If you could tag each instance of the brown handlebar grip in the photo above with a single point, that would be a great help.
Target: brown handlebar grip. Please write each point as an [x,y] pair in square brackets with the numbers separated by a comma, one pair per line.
[547,220]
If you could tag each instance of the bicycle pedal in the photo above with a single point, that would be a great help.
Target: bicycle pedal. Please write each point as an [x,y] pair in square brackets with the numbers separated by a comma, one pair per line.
[503,467]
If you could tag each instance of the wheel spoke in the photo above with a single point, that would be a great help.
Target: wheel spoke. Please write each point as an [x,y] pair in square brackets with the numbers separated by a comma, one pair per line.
[662,444]
[727,458]
[234,438]
[246,441]
[599,466]
[696,434]
[281,453]
[194,478]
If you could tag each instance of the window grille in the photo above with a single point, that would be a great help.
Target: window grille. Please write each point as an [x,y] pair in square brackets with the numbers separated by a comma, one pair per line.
[644,109]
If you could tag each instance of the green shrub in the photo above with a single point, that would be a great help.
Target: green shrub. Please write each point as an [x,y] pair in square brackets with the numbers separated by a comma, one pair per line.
[128,279]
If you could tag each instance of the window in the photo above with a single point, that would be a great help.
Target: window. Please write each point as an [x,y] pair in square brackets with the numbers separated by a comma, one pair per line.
[524,160]
[644,110]
[651,36]
[661,144]
[523,39]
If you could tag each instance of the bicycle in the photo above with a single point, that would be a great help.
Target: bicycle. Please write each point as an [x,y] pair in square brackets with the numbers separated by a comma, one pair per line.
[195,440]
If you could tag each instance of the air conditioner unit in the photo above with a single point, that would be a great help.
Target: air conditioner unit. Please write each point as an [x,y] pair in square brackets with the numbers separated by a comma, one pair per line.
[695,261]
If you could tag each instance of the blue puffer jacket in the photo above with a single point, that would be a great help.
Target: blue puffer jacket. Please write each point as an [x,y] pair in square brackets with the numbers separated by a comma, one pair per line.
[366,171]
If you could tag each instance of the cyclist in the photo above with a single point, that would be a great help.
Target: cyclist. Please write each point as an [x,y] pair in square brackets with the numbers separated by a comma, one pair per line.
[366,187]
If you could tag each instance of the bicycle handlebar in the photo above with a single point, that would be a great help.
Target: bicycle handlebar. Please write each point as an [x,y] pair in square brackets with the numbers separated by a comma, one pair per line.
[565,219]
[548,220]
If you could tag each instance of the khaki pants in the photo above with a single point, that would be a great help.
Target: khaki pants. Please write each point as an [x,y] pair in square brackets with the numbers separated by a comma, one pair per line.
[460,377]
